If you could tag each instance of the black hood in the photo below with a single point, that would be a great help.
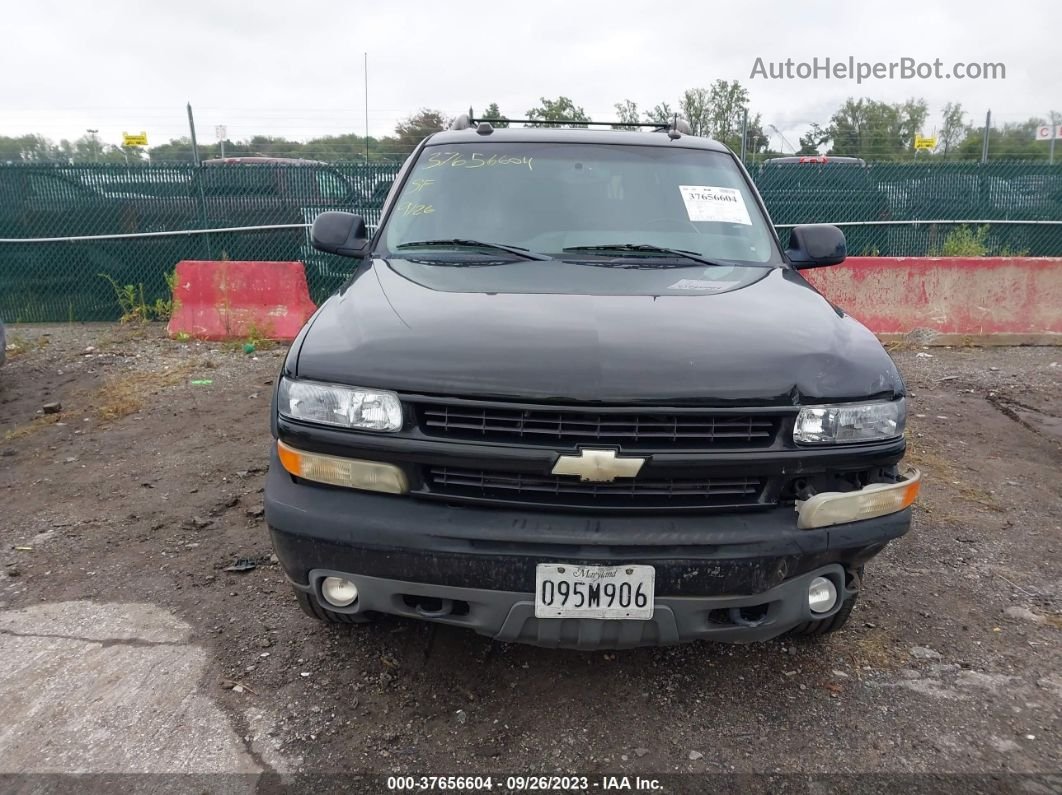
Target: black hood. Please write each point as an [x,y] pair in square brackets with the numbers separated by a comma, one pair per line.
[766,340]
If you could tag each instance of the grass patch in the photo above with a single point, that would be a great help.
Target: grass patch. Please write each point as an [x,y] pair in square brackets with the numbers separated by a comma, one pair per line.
[874,648]
[133,304]
[17,345]
[126,394]
[31,427]
[895,346]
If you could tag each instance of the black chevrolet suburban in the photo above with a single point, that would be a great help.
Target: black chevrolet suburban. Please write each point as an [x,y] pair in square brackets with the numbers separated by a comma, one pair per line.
[575,394]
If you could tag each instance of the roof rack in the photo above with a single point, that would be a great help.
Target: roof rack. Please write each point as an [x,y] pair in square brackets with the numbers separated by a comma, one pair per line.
[675,128]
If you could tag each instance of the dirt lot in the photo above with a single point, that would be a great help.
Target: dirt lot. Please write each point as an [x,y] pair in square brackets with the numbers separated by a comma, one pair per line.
[126,645]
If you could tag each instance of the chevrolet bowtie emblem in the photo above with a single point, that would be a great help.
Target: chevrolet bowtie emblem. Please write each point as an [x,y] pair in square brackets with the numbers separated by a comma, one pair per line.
[601,466]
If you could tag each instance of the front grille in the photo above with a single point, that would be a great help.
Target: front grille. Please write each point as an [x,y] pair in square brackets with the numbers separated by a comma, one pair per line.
[564,428]
[564,491]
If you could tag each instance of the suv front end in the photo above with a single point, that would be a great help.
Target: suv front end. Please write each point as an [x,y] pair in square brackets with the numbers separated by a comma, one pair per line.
[571,448]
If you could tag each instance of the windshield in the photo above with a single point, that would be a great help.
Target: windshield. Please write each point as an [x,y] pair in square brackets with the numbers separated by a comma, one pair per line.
[553,198]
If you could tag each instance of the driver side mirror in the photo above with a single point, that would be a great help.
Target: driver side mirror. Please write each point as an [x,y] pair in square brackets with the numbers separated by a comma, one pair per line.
[816,245]
[340,233]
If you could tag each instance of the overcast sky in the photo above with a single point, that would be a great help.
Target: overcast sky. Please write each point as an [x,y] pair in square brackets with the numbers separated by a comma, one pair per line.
[295,69]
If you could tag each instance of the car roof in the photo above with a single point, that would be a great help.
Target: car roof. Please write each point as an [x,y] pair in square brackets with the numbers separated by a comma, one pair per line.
[838,160]
[565,135]
[260,160]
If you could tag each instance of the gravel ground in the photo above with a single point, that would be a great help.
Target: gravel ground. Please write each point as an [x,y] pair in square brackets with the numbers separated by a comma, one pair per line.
[145,485]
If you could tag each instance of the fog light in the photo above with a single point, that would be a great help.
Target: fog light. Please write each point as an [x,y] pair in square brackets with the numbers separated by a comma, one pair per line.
[339,592]
[822,595]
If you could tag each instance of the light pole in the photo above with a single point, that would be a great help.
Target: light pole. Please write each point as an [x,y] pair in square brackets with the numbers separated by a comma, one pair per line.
[96,150]
[784,139]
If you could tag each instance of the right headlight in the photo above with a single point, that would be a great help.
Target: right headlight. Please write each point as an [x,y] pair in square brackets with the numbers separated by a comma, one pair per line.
[851,422]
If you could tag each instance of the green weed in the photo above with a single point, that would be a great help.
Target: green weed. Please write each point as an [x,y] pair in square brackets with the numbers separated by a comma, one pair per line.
[133,304]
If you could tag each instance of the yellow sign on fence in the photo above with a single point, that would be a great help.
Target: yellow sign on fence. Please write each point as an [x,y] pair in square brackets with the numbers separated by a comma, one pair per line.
[134,140]
[925,143]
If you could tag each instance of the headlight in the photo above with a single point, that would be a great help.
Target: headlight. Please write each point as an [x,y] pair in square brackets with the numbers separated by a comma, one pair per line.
[879,499]
[850,422]
[346,406]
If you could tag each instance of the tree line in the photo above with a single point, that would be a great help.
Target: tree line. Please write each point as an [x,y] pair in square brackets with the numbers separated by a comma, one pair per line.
[863,127]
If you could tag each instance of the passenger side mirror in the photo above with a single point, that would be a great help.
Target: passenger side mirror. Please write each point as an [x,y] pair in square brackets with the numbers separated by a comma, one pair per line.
[816,245]
[340,233]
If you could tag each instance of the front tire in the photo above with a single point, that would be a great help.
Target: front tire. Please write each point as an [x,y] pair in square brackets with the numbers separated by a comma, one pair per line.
[311,608]
[825,626]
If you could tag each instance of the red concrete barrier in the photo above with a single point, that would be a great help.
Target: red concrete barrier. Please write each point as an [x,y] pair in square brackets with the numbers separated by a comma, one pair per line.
[1008,297]
[236,300]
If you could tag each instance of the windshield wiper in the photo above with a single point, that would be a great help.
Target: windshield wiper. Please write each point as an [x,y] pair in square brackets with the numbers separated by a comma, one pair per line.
[516,251]
[646,248]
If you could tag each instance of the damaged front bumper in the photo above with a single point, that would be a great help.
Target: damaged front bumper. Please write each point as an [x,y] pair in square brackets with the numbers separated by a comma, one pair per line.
[735,577]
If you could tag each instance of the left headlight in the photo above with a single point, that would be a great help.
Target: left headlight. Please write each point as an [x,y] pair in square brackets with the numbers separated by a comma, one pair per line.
[851,422]
[345,406]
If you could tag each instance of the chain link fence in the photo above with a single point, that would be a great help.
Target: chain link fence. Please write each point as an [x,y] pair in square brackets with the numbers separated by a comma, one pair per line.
[915,210]
[97,223]
[91,224]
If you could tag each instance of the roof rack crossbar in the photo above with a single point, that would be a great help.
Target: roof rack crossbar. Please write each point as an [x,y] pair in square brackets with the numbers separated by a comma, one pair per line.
[659,125]
[675,127]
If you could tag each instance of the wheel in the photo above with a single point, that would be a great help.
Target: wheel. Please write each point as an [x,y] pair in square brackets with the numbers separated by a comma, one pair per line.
[313,610]
[824,626]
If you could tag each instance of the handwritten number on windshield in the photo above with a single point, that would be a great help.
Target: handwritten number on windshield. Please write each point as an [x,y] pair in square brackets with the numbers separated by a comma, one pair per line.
[477,160]
[414,208]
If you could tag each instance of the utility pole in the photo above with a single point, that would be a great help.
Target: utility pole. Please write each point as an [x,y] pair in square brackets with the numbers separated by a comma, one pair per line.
[744,133]
[984,144]
[199,185]
[366,108]
[1054,134]
[191,127]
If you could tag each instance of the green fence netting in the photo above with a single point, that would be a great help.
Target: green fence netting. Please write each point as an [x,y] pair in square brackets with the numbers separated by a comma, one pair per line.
[886,209]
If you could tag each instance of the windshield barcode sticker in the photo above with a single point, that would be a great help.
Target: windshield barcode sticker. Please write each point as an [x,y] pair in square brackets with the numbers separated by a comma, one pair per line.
[721,205]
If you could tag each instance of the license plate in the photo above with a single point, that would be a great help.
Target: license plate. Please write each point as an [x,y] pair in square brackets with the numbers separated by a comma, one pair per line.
[566,591]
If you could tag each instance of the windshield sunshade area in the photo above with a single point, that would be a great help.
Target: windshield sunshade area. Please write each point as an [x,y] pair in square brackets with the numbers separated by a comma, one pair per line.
[581,202]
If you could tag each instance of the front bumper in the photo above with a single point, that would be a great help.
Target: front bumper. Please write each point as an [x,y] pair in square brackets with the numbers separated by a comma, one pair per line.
[420,558]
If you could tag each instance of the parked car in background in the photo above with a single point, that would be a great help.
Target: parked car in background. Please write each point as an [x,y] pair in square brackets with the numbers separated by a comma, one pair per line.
[45,201]
[49,201]
[827,190]
[803,160]
[259,191]
[61,200]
